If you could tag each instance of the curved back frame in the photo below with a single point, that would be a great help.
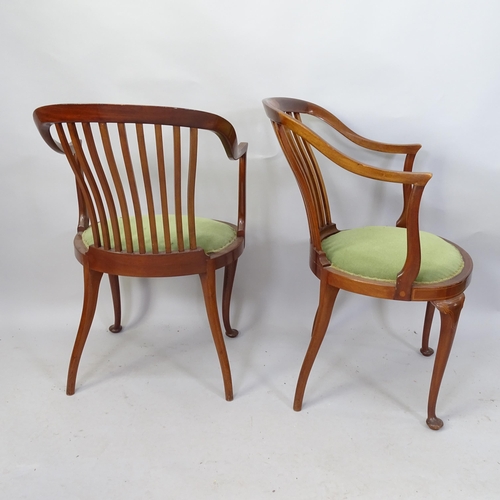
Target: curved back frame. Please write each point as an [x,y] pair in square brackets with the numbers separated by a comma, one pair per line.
[298,143]
[103,142]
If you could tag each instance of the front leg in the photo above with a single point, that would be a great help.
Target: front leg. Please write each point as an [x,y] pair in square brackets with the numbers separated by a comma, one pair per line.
[450,312]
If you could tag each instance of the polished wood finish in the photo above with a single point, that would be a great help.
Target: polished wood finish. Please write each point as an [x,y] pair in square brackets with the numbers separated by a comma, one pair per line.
[120,157]
[298,143]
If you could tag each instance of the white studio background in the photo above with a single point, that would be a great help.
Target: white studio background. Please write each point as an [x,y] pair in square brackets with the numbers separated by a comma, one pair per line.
[396,71]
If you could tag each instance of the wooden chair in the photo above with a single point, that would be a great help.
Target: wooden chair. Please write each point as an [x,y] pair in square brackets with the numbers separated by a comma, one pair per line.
[399,263]
[137,207]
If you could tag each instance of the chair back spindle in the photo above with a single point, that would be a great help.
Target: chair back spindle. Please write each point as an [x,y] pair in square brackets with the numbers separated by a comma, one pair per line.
[130,192]
[309,178]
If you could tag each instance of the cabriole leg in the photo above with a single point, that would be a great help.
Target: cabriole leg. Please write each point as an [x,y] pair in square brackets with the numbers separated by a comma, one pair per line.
[91,281]
[450,312]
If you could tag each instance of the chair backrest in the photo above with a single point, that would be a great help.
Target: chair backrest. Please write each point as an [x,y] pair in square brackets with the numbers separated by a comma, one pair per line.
[298,143]
[130,169]
[292,137]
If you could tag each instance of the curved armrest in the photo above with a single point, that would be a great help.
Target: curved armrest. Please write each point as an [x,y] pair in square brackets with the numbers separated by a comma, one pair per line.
[413,186]
[340,127]
[276,107]
[344,161]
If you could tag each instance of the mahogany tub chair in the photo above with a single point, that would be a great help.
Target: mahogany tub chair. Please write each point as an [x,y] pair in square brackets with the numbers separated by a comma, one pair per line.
[135,181]
[398,263]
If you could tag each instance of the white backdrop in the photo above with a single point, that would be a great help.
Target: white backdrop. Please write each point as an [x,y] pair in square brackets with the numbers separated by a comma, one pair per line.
[398,71]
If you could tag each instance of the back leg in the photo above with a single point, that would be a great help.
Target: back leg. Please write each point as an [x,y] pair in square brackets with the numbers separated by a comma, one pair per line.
[210,296]
[429,313]
[229,273]
[115,293]
[91,281]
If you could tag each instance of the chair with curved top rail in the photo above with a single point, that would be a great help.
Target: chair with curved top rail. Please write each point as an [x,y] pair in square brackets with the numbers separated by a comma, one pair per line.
[137,212]
[399,263]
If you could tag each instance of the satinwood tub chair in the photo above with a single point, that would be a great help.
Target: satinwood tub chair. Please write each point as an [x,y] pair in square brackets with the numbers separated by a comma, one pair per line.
[135,170]
[398,263]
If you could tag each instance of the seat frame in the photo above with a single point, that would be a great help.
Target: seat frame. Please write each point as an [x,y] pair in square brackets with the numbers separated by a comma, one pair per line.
[100,258]
[298,142]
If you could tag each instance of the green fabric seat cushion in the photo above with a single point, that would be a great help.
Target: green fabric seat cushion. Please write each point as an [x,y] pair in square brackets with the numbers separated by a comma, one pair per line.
[211,235]
[379,253]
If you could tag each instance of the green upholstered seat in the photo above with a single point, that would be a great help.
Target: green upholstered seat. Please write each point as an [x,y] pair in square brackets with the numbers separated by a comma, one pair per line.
[379,253]
[211,236]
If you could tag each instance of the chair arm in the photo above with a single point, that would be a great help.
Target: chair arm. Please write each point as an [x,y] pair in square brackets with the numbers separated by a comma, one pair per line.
[413,186]
[344,161]
[275,109]
[364,142]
